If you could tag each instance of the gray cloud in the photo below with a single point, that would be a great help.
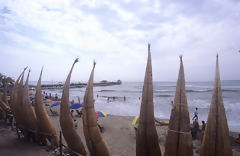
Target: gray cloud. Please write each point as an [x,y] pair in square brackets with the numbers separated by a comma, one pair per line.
[116,35]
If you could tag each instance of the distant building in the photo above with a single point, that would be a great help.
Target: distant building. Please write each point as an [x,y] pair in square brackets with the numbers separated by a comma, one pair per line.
[104,81]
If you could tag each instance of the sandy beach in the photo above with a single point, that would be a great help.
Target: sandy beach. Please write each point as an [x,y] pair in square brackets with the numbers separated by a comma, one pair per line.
[118,133]
[11,146]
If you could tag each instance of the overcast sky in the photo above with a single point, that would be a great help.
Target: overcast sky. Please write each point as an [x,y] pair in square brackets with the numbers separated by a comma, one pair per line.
[54,32]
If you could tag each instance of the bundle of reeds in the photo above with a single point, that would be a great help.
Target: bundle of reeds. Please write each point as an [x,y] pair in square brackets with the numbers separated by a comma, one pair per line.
[179,138]
[94,141]
[72,138]
[146,137]
[216,140]
[44,123]
[30,119]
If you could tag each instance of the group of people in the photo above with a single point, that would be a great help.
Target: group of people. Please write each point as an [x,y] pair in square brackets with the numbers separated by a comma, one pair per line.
[49,96]
[195,130]
[113,98]
[75,122]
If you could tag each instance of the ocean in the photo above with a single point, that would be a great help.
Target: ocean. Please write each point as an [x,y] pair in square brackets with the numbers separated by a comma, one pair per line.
[199,94]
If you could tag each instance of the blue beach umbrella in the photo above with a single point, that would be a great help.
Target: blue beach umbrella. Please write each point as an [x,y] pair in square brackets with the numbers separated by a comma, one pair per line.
[55,104]
[32,98]
[75,106]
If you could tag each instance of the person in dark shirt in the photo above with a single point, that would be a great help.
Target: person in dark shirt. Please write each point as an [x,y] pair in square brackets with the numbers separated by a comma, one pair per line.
[203,125]
[195,114]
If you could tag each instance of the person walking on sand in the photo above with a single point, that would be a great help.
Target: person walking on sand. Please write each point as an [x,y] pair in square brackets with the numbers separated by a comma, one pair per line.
[195,114]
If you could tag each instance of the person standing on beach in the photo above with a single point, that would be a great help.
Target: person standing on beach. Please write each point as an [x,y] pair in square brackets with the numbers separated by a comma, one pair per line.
[203,129]
[203,125]
[56,97]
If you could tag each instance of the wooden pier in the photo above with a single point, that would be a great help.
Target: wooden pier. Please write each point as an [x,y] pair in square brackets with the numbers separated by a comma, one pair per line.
[77,85]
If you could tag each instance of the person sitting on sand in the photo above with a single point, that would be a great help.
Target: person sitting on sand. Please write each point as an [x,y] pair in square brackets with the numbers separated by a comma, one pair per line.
[79,112]
[72,113]
[135,128]
[54,113]
[238,139]
[100,127]
[75,123]
[195,114]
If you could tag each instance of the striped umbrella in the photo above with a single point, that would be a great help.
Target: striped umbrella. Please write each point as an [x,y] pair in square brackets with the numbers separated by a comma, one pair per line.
[135,120]
[100,114]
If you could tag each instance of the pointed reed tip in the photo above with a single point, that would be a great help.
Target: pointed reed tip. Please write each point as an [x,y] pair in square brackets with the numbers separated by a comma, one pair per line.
[94,63]
[180,56]
[25,68]
[149,46]
[76,60]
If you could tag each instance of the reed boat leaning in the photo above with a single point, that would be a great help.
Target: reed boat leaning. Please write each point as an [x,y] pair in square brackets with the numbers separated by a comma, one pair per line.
[44,123]
[94,140]
[73,140]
